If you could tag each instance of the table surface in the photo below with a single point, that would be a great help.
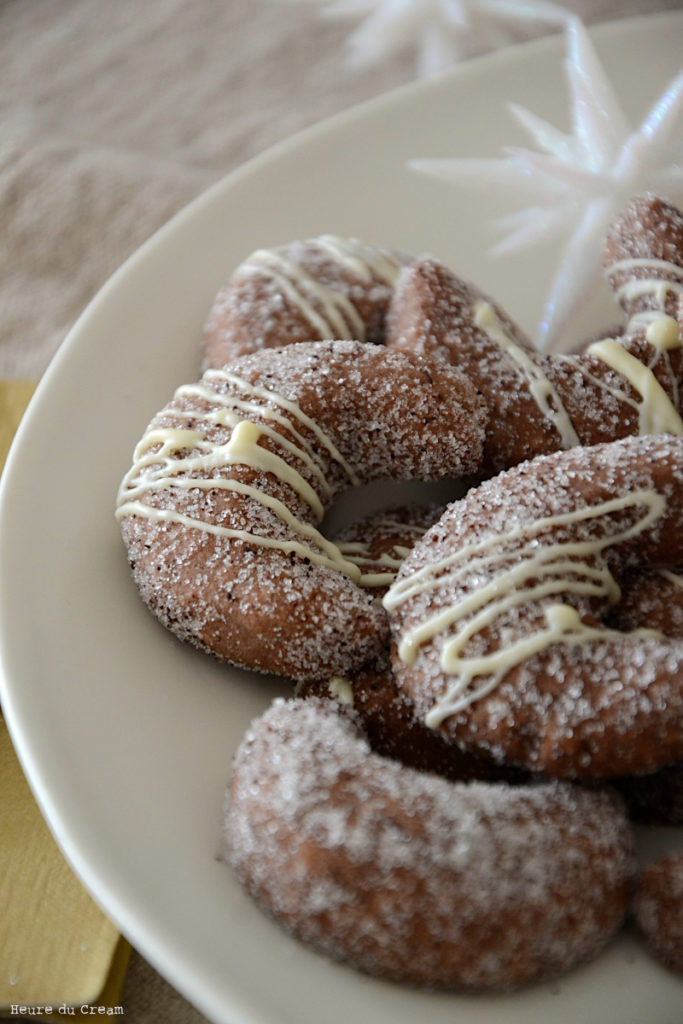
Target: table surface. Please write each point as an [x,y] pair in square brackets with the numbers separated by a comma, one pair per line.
[113,117]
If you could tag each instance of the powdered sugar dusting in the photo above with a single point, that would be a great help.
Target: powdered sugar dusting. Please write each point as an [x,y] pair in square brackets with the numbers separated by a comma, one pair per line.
[471,885]
[658,908]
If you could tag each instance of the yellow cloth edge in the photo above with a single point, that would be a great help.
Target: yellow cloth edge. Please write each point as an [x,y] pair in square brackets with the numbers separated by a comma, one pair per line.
[14,398]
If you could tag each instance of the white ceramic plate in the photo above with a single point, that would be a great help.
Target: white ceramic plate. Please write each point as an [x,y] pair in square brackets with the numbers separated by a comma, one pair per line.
[127,736]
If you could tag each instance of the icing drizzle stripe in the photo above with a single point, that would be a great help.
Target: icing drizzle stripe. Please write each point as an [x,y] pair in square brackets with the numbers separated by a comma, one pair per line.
[656,412]
[359,553]
[363,260]
[541,388]
[186,459]
[329,312]
[521,567]
[338,318]
[666,279]
[296,414]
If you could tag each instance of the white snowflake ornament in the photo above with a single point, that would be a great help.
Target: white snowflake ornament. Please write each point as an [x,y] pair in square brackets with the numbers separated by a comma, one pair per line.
[578,183]
[440,32]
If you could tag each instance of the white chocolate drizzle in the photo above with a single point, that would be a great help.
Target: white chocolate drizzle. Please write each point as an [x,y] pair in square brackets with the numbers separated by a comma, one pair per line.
[656,412]
[358,552]
[508,572]
[665,279]
[187,459]
[541,389]
[329,313]
[341,689]
[673,577]
[663,333]
[279,410]
[364,261]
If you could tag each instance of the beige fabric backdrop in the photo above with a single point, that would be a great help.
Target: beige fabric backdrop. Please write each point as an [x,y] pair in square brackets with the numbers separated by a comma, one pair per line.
[115,113]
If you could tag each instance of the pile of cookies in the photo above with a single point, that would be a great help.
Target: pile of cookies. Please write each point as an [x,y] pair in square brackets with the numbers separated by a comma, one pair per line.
[485,695]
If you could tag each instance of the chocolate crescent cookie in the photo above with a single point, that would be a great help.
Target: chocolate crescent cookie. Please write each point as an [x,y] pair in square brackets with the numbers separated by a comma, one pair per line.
[539,404]
[221,509]
[325,287]
[643,260]
[652,598]
[497,614]
[403,874]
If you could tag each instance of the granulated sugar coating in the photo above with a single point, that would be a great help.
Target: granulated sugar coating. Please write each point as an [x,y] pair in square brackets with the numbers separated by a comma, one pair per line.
[539,403]
[497,614]
[403,874]
[220,511]
[649,229]
[325,287]
[379,543]
[652,596]
[387,717]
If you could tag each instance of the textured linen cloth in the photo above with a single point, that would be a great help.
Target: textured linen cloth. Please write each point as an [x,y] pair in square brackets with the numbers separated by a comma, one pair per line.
[113,115]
